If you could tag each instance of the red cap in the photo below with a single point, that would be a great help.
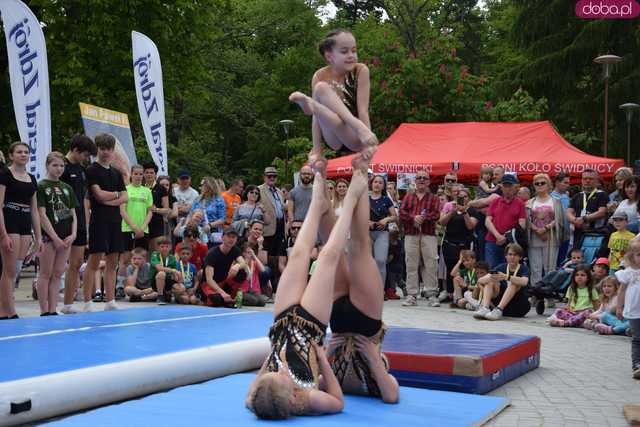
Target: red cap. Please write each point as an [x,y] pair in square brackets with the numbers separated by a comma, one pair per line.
[602,260]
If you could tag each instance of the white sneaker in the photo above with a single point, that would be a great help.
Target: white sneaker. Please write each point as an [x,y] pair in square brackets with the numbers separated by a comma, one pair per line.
[433,302]
[481,312]
[443,296]
[495,314]
[68,309]
[410,301]
[87,307]
[471,301]
[111,305]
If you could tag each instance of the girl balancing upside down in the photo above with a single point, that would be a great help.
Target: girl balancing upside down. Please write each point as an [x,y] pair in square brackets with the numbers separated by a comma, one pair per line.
[340,99]
[289,381]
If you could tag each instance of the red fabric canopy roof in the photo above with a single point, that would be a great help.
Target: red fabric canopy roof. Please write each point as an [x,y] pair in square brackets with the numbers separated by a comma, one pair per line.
[526,148]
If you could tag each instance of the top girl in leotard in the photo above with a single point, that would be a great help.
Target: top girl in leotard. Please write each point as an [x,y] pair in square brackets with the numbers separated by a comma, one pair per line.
[340,99]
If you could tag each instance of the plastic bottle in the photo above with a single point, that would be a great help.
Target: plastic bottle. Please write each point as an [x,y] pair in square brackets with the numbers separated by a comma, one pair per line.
[238,303]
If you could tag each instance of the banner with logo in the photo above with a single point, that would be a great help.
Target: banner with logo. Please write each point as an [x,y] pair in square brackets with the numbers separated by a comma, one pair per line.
[29,75]
[147,74]
[101,120]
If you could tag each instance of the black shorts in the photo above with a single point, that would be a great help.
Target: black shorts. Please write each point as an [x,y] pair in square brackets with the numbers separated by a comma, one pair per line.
[17,220]
[130,242]
[347,318]
[519,306]
[105,237]
[156,226]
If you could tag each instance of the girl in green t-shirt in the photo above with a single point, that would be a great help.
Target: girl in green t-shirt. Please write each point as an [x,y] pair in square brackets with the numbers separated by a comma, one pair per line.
[56,206]
[582,300]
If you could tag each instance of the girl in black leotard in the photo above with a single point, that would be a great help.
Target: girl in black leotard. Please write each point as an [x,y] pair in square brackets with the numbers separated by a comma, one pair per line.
[340,99]
[288,382]
[19,216]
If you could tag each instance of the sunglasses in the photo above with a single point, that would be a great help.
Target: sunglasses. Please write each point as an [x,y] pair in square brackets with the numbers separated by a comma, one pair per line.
[295,228]
[539,183]
[272,176]
[422,178]
[451,181]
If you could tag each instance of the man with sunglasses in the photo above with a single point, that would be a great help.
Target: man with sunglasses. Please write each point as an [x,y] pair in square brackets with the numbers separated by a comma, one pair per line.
[274,206]
[419,212]
[450,181]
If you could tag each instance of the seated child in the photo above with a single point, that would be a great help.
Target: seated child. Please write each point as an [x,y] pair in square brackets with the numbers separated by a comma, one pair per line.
[582,299]
[606,323]
[164,273]
[138,280]
[185,292]
[600,271]
[472,297]
[553,281]
[464,277]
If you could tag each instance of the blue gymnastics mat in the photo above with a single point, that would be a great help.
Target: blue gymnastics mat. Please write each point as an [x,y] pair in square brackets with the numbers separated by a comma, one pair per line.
[220,402]
[40,346]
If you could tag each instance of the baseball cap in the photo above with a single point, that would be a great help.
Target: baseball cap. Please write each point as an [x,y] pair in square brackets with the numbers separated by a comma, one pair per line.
[184,174]
[620,215]
[602,260]
[270,170]
[509,179]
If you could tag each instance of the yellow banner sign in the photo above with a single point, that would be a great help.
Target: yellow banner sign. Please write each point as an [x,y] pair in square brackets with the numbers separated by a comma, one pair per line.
[92,112]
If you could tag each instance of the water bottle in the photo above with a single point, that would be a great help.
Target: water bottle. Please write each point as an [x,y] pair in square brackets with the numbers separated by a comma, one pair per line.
[238,303]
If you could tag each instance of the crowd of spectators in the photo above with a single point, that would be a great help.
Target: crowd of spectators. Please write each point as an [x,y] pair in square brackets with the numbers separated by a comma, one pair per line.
[495,248]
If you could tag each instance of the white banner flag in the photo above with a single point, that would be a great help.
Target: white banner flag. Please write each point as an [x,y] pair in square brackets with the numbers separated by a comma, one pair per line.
[147,74]
[29,74]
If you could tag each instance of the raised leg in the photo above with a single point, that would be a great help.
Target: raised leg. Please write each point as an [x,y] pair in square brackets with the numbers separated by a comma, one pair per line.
[318,297]
[294,277]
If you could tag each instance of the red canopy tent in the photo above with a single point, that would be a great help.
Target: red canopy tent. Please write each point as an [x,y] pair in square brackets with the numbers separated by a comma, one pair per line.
[526,148]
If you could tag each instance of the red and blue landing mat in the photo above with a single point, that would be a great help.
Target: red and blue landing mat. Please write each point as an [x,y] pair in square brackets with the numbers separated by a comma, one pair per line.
[459,361]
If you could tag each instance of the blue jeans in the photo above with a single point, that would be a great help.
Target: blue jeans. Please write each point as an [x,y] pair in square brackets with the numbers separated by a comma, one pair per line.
[493,254]
[562,253]
[619,326]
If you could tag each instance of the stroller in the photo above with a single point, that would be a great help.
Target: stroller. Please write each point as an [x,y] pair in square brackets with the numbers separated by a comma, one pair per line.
[554,284]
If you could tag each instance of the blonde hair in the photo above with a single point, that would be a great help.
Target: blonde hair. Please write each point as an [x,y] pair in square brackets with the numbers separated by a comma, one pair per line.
[616,285]
[633,248]
[270,400]
[486,169]
[212,185]
[54,155]
[543,176]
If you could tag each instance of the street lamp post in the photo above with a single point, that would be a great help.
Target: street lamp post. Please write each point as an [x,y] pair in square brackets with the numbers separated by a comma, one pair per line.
[606,61]
[628,109]
[286,124]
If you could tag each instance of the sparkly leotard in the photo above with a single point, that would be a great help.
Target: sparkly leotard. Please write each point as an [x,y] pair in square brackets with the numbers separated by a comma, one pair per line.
[348,92]
[292,334]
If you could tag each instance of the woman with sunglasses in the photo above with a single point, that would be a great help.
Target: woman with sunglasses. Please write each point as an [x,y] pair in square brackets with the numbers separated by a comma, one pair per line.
[250,210]
[545,228]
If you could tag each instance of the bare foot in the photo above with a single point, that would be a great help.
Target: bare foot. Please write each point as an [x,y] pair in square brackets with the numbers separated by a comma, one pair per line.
[359,183]
[319,200]
[360,163]
[368,152]
[305,102]
[320,166]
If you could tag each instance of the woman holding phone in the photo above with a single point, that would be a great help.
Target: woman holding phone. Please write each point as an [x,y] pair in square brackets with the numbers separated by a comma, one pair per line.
[459,221]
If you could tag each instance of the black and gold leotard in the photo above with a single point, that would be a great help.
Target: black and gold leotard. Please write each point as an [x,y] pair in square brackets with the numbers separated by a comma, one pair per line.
[348,92]
[291,335]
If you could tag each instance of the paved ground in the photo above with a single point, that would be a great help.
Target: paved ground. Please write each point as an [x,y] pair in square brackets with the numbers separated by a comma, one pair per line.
[583,379]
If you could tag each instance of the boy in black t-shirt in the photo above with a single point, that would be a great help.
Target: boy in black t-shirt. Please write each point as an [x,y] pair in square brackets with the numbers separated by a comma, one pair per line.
[107,191]
[80,150]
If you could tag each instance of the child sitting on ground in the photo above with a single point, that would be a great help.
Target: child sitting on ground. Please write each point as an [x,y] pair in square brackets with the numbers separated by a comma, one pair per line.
[472,297]
[248,276]
[138,280]
[608,302]
[164,273]
[600,271]
[582,299]
[607,323]
[185,292]
[464,277]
